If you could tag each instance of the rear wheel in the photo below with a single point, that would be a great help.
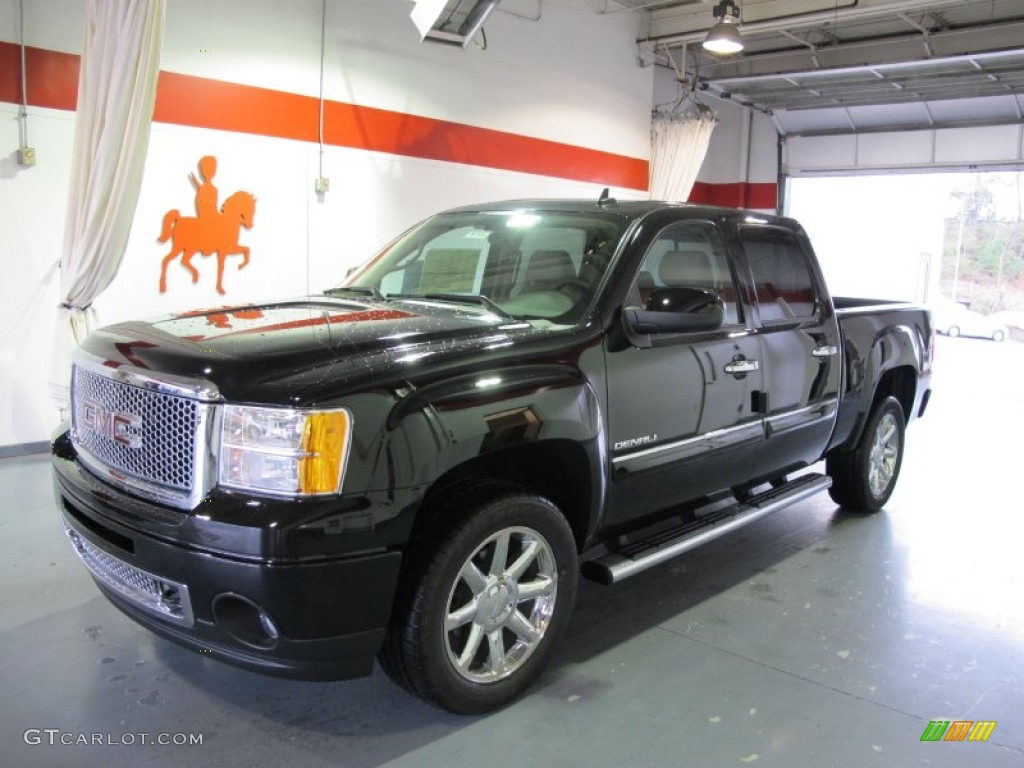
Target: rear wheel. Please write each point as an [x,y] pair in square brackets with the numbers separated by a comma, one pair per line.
[865,478]
[481,611]
[953,331]
[998,336]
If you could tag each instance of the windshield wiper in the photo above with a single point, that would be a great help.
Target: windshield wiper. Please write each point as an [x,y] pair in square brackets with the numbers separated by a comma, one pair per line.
[458,298]
[362,290]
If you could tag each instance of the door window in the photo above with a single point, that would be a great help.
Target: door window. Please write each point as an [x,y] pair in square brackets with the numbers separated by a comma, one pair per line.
[782,276]
[687,255]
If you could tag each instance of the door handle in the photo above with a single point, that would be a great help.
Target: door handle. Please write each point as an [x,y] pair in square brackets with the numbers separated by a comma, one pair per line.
[825,351]
[742,366]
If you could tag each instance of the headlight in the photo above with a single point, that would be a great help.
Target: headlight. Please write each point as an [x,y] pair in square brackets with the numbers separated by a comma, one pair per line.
[284,451]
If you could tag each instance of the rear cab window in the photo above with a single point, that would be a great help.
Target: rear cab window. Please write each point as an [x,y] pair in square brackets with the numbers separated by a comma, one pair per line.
[781,271]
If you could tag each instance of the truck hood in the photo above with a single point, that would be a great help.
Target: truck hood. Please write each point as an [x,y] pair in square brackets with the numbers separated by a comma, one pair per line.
[303,350]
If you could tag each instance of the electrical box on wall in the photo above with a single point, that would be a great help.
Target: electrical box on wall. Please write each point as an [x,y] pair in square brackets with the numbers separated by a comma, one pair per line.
[323,185]
[26,156]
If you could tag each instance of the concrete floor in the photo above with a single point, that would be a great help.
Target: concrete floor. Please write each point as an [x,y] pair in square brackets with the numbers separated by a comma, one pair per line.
[812,638]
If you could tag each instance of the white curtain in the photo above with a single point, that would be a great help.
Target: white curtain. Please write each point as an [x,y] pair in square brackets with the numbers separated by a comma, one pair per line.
[679,143]
[116,94]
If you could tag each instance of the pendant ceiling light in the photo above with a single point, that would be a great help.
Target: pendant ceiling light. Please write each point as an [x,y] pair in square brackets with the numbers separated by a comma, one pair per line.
[724,38]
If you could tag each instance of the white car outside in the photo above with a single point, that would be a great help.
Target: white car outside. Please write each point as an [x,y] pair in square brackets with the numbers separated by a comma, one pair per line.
[954,319]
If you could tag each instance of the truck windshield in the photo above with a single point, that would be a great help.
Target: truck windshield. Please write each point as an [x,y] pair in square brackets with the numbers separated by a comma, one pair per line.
[542,266]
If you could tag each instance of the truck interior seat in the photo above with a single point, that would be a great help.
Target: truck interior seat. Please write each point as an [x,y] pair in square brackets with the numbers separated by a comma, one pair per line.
[547,269]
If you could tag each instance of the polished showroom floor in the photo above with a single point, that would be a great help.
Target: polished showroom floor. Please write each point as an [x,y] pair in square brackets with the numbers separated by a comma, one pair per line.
[812,638]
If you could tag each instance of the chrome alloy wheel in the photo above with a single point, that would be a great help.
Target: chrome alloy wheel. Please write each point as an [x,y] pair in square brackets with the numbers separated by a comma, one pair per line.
[885,450]
[500,605]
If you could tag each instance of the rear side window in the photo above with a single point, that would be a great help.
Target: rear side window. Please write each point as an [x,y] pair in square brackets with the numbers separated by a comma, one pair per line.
[782,274]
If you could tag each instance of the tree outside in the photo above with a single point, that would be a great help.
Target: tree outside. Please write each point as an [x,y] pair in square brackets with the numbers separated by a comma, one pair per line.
[983,243]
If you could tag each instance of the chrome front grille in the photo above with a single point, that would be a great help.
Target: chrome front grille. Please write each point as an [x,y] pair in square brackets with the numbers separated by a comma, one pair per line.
[163,440]
[150,434]
[167,599]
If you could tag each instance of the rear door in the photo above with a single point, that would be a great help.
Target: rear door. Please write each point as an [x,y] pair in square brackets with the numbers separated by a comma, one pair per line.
[799,338]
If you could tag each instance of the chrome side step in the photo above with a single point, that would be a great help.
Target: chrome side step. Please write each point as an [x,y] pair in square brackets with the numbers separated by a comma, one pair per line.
[640,555]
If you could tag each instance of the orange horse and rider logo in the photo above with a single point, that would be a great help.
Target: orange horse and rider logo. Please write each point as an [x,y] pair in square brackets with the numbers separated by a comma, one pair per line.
[211,231]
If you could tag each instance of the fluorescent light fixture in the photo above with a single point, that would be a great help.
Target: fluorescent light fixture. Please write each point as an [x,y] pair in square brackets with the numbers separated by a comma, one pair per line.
[459,26]
[724,38]
[425,14]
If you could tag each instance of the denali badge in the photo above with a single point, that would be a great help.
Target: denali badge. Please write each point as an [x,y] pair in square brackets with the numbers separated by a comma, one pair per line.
[123,428]
[634,442]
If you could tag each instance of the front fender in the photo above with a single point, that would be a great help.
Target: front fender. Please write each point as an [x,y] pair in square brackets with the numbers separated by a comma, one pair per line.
[474,416]
[539,425]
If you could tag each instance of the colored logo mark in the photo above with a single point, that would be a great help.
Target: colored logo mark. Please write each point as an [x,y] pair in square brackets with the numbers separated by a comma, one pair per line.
[214,229]
[958,730]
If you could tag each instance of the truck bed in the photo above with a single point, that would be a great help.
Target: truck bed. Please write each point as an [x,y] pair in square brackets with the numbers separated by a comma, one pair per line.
[846,305]
[901,333]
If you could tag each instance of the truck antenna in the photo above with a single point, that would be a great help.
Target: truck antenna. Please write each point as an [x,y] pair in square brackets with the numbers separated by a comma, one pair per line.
[605,198]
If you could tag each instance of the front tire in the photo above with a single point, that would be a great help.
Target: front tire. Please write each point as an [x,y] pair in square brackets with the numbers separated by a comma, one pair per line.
[998,336]
[864,479]
[953,331]
[485,600]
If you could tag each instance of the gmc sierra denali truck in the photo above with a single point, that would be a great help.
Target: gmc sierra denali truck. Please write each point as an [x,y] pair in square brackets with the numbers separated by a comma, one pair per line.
[418,465]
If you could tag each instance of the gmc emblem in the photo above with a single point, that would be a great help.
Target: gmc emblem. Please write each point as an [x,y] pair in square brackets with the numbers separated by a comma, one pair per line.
[122,428]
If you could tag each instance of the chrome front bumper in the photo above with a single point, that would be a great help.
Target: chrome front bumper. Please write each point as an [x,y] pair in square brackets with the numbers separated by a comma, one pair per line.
[167,599]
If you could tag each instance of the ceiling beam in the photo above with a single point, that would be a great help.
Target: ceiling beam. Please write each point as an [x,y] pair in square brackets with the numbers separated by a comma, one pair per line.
[978,43]
[796,102]
[922,29]
[890,72]
[690,26]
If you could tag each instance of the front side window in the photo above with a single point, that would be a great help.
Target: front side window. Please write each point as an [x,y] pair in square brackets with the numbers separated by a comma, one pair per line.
[541,266]
[782,275]
[687,255]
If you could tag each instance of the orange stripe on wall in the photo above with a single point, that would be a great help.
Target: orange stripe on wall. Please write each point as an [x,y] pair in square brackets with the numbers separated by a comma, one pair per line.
[764,196]
[10,71]
[205,103]
[401,134]
[52,77]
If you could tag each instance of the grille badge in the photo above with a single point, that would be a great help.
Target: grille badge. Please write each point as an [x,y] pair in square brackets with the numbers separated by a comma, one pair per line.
[174,464]
[122,428]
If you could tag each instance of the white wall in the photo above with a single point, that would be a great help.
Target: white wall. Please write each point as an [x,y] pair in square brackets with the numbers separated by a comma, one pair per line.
[744,147]
[743,158]
[32,204]
[571,77]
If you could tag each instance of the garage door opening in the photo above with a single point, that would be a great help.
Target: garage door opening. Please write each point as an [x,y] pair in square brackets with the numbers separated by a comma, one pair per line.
[951,240]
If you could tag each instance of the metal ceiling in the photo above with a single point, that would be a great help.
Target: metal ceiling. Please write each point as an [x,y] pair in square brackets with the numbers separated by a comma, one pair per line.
[952,77]
[853,55]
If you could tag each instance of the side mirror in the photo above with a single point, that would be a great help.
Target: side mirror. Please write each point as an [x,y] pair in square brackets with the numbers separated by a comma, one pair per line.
[677,310]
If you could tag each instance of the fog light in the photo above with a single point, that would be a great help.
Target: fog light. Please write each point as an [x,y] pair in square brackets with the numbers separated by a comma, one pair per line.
[245,621]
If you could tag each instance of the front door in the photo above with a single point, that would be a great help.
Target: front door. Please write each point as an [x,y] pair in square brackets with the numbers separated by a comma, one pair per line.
[681,410]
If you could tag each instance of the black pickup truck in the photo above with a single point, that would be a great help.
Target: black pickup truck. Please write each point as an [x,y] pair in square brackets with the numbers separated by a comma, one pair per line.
[418,465]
